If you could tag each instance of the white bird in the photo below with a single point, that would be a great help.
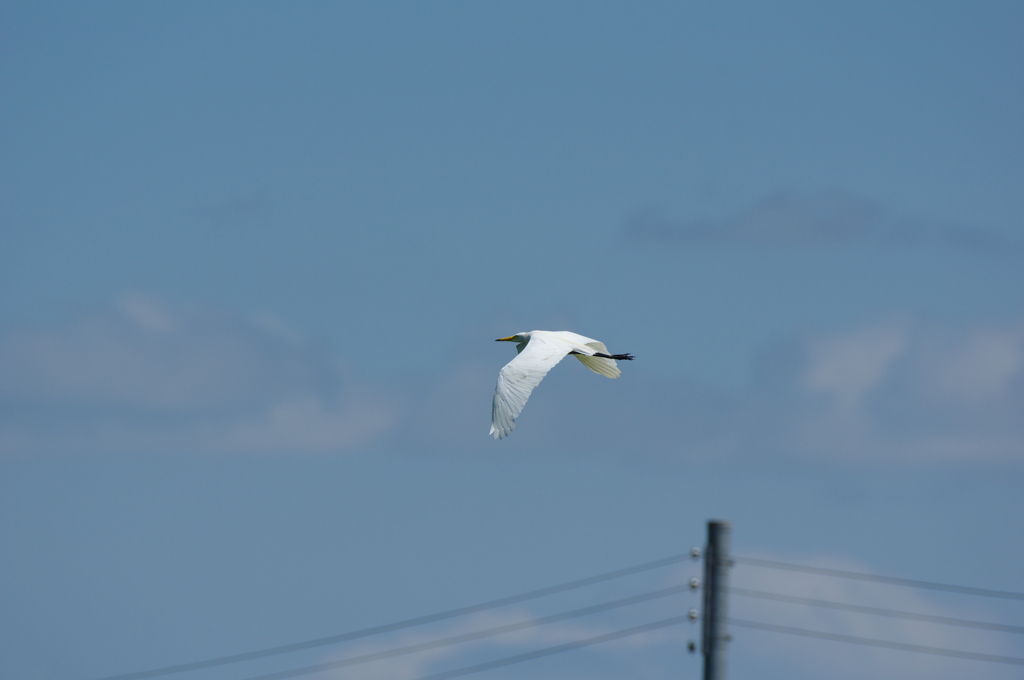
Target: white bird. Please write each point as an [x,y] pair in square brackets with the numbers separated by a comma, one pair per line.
[538,352]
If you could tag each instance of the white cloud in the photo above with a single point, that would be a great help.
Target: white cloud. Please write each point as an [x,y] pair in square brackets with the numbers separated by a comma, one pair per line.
[308,424]
[417,664]
[848,365]
[896,391]
[844,660]
[660,651]
[911,391]
[144,376]
[985,365]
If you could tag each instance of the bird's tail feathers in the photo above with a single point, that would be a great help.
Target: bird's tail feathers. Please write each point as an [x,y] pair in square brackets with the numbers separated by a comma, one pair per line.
[598,364]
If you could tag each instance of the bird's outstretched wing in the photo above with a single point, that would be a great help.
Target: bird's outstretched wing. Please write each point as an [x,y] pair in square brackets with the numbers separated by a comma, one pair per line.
[518,378]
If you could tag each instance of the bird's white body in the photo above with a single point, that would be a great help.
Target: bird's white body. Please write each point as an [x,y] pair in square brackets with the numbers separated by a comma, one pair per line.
[539,351]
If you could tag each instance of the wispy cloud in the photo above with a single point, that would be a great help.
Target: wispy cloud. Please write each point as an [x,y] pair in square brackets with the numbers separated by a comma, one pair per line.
[843,660]
[783,654]
[902,390]
[145,376]
[825,218]
[511,643]
[897,390]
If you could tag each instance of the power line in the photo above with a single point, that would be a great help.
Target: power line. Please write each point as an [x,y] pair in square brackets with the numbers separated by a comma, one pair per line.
[975,656]
[968,590]
[875,610]
[398,625]
[569,646]
[475,635]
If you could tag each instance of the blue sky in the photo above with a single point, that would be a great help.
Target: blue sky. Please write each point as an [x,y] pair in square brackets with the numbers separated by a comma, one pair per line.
[253,258]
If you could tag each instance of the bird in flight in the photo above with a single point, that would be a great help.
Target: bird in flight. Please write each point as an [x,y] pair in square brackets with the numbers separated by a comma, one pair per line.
[538,352]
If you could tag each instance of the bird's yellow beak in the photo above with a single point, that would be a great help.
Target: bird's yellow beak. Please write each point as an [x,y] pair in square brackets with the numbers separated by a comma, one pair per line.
[510,338]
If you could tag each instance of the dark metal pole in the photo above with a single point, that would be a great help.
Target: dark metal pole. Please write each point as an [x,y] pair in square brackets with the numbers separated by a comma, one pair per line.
[716,574]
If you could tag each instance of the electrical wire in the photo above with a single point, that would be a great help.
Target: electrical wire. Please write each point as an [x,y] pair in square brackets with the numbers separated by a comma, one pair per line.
[968,590]
[569,646]
[398,625]
[940,651]
[745,592]
[474,635]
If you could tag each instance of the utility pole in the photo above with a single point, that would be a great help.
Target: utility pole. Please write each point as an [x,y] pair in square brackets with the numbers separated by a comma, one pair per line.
[716,575]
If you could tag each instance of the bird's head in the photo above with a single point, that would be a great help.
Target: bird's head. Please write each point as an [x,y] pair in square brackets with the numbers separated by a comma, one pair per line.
[521,338]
